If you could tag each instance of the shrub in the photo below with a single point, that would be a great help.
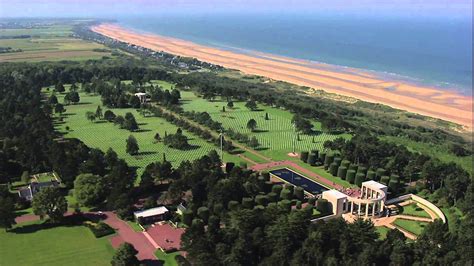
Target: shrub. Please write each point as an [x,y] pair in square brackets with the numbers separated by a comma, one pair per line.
[285,204]
[350,177]
[370,175]
[342,172]
[203,213]
[328,160]
[299,193]
[304,156]
[266,176]
[359,178]
[272,197]
[393,184]
[312,159]
[261,200]
[362,170]
[233,205]
[322,157]
[345,163]
[333,169]
[384,179]
[277,189]
[182,261]
[286,194]
[298,205]
[380,172]
[337,160]
[353,167]
[311,201]
[99,229]
[322,205]
[247,203]
[187,217]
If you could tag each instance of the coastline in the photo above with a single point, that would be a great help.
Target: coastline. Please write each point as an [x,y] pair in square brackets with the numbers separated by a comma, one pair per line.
[424,100]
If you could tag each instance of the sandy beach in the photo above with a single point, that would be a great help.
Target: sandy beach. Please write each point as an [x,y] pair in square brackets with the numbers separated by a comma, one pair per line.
[433,102]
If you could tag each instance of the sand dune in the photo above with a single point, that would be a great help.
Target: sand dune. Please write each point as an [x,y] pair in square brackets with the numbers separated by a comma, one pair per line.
[345,81]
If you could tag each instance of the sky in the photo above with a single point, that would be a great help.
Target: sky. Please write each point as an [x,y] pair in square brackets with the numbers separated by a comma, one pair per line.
[114,8]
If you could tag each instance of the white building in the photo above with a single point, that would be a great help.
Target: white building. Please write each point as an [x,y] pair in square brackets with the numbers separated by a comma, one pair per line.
[151,215]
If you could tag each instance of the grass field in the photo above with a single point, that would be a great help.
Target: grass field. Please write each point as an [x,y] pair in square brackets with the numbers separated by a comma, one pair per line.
[53,246]
[382,230]
[53,43]
[275,135]
[414,227]
[168,259]
[104,135]
[413,210]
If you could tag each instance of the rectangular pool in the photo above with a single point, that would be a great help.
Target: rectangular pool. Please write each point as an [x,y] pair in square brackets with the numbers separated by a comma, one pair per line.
[298,180]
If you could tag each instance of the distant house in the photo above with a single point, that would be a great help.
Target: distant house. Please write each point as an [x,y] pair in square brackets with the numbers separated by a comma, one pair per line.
[142,96]
[35,187]
[151,215]
[38,182]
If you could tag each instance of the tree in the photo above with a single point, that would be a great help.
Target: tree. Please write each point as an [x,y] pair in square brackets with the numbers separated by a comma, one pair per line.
[134,102]
[251,105]
[301,124]
[157,137]
[130,123]
[90,116]
[59,109]
[109,116]
[125,255]
[230,104]
[98,112]
[254,142]
[73,87]
[59,87]
[132,145]
[72,97]
[89,189]
[223,109]
[266,116]
[252,124]
[49,201]
[53,100]
[119,120]
[7,212]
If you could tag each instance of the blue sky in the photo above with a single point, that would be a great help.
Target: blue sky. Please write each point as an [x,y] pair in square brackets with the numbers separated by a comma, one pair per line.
[111,8]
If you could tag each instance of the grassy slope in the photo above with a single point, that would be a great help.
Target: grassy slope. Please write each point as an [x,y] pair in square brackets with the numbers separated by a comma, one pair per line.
[275,135]
[104,135]
[382,230]
[55,246]
[414,210]
[412,226]
[48,44]
[439,152]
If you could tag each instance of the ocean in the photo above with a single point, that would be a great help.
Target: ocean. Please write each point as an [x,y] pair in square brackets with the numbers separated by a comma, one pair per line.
[431,51]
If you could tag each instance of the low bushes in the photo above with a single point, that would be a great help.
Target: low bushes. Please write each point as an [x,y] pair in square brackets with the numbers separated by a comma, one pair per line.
[99,229]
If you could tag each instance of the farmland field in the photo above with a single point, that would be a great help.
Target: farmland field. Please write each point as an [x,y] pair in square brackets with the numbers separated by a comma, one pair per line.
[63,245]
[51,43]
[104,135]
[275,135]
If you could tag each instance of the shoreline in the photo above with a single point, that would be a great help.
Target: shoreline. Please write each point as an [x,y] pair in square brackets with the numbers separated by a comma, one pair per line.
[346,81]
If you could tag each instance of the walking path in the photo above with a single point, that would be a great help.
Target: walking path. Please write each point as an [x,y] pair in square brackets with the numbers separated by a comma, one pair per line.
[146,250]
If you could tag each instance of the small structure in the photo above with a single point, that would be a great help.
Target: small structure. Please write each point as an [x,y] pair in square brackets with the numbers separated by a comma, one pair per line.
[151,215]
[370,203]
[37,184]
[181,208]
[338,201]
[142,96]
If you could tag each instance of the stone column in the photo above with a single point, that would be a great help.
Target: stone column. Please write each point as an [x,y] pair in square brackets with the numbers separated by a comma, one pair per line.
[373,209]
[367,209]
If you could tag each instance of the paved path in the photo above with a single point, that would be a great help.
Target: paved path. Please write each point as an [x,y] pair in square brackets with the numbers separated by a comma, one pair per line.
[146,251]
[290,164]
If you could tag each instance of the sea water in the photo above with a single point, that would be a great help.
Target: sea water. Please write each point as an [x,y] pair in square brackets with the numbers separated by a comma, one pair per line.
[435,51]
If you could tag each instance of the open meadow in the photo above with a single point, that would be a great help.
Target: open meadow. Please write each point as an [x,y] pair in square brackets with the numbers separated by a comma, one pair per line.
[48,43]
[275,135]
[104,135]
[31,244]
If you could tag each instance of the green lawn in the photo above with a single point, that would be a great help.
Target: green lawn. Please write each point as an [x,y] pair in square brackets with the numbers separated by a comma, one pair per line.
[104,135]
[414,227]
[168,259]
[382,231]
[413,210]
[54,246]
[275,135]
[135,226]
